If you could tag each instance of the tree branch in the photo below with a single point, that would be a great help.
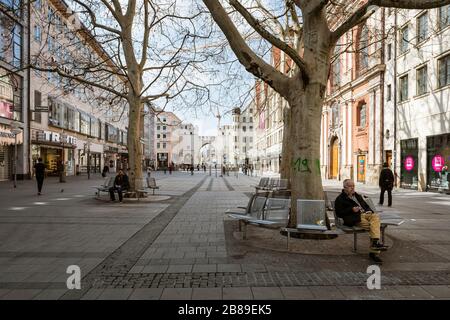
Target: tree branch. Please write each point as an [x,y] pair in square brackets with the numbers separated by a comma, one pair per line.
[272,39]
[357,16]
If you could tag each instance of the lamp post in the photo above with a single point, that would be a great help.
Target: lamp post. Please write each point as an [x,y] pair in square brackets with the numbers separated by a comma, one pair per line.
[15,130]
[62,176]
[192,153]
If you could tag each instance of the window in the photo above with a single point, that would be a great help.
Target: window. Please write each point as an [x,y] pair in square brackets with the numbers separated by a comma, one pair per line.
[164,136]
[37,102]
[389,92]
[37,34]
[158,136]
[251,139]
[404,40]
[421,77]
[251,118]
[336,76]
[364,48]
[389,51]
[422,27]
[244,128]
[244,140]
[403,96]
[361,120]
[158,145]
[243,120]
[250,128]
[164,145]
[235,139]
[444,16]
[444,71]
[158,128]
[164,128]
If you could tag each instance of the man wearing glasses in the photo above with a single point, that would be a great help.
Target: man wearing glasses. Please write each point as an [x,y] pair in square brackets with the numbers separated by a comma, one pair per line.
[351,207]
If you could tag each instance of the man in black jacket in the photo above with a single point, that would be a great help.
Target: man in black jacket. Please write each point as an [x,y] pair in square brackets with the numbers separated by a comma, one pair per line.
[351,207]
[121,183]
[386,183]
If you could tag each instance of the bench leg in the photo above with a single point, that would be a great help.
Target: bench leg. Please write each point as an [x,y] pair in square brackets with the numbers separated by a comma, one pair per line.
[244,236]
[288,240]
[382,234]
[355,241]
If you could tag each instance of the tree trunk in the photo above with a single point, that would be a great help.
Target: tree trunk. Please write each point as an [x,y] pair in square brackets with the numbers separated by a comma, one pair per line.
[285,158]
[304,145]
[134,142]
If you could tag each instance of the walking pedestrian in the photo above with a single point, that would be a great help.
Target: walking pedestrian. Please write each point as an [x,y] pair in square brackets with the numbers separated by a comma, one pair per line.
[39,172]
[105,171]
[386,183]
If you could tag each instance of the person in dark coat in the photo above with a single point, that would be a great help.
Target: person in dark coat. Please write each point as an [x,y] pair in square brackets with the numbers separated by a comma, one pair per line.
[351,207]
[121,183]
[39,172]
[386,183]
[105,171]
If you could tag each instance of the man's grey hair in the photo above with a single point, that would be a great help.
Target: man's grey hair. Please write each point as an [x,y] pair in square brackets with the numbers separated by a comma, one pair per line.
[346,181]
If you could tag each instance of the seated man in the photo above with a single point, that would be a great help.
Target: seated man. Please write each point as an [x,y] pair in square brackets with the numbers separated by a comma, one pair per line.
[351,207]
[120,183]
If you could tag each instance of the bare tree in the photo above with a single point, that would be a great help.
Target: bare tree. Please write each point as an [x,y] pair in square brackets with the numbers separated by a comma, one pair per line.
[315,29]
[143,52]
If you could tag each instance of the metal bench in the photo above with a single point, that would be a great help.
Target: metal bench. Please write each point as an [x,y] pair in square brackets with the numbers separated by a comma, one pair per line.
[262,184]
[386,220]
[311,219]
[107,183]
[263,212]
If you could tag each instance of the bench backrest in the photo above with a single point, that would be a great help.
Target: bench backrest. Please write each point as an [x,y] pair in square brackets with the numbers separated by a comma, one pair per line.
[263,182]
[273,183]
[257,207]
[311,213]
[107,181]
[277,210]
[151,182]
[283,185]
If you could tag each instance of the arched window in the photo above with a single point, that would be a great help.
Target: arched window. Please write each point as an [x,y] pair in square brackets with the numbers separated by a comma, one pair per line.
[335,115]
[361,116]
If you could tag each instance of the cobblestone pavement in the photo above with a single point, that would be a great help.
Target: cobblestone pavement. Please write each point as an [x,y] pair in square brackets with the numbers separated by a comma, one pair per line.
[186,248]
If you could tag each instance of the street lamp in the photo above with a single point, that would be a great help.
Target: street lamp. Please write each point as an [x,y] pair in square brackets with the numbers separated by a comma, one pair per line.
[192,153]
[15,130]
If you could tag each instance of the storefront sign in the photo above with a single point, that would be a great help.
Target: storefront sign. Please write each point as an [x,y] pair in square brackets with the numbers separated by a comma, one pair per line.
[437,163]
[409,163]
[7,137]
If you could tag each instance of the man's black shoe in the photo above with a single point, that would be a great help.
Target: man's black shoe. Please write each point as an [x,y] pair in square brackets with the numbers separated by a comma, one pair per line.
[378,246]
[375,258]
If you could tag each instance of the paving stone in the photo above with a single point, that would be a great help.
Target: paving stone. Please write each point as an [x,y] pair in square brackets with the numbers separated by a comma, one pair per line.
[237,293]
[155,269]
[204,268]
[115,294]
[176,294]
[229,268]
[180,268]
[326,292]
[206,293]
[21,294]
[296,293]
[146,294]
[267,293]
[438,291]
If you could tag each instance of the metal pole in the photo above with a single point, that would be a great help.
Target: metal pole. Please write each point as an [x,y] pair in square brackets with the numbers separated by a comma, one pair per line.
[89,162]
[15,160]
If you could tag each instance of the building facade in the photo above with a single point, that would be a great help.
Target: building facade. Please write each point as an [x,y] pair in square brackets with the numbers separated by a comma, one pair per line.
[68,123]
[417,131]
[14,89]
[166,124]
